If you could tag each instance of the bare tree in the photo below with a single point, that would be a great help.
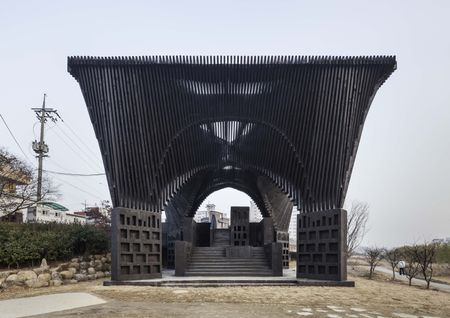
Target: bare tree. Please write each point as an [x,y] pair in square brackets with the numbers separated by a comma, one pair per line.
[393,256]
[412,265]
[18,185]
[356,225]
[373,256]
[426,256]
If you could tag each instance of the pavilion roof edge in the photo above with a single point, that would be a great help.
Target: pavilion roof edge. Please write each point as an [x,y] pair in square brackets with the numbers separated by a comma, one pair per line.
[231,60]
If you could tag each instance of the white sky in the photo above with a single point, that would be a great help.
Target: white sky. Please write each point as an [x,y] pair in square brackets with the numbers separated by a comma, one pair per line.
[403,165]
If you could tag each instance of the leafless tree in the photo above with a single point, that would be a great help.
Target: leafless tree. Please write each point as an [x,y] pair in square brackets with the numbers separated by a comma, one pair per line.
[356,225]
[373,256]
[393,256]
[18,185]
[412,265]
[426,256]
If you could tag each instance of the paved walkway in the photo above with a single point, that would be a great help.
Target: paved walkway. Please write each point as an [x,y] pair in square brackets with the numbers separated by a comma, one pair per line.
[40,305]
[419,282]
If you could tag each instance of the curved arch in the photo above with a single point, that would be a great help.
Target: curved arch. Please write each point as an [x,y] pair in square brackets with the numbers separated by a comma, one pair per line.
[227,118]
[267,195]
[236,159]
[240,187]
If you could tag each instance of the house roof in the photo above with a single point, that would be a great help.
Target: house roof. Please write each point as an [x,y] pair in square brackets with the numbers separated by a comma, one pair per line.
[55,206]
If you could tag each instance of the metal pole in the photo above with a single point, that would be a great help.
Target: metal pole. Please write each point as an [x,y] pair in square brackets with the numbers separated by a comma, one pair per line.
[41,153]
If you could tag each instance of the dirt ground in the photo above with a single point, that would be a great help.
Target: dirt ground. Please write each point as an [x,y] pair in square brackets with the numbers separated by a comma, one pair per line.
[379,298]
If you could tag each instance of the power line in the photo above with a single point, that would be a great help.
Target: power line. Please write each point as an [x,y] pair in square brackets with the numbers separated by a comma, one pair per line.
[75,152]
[78,137]
[15,140]
[75,174]
[74,186]
[87,156]
[80,180]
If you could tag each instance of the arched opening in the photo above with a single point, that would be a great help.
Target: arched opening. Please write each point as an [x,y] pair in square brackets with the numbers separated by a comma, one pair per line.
[221,201]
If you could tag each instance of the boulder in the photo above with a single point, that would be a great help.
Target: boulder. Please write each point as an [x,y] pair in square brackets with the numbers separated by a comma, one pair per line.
[75,265]
[108,257]
[36,283]
[44,263]
[103,259]
[73,270]
[40,270]
[7,273]
[64,266]
[73,281]
[66,275]
[91,276]
[23,276]
[83,271]
[91,270]
[81,277]
[98,257]
[56,276]
[91,264]
[56,282]
[107,274]
[30,283]
[99,275]
[11,280]
[56,269]
[44,277]
[84,265]
[74,260]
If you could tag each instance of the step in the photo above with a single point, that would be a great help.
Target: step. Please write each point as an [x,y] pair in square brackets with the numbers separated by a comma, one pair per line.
[227,261]
[233,264]
[228,274]
[228,270]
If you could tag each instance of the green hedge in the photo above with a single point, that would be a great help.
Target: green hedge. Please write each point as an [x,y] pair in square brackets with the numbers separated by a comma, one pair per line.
[28,243]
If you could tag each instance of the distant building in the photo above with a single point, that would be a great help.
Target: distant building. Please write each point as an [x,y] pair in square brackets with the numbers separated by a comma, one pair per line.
[10,179]
[211,215]
[95,214]
[53,212]
[441,240]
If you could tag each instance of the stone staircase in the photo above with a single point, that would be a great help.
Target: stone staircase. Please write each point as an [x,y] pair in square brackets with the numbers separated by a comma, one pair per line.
[211,261]
[221,238]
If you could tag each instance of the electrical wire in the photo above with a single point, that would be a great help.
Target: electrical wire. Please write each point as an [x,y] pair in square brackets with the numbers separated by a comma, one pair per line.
[75,152]
[94,156]
[75,174]
[78,137]
[15,140]
[78,188]
[85,185]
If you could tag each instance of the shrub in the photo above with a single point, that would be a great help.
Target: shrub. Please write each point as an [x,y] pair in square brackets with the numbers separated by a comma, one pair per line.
[28,243]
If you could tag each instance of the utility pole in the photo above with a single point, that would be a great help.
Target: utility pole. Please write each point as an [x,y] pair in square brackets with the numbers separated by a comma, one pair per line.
[40,147]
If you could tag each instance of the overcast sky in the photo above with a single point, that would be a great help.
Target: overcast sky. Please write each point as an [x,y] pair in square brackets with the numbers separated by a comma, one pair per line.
[402,167]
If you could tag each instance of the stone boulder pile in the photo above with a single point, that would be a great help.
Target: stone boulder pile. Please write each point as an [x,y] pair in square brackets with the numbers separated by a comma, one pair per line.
[79,269]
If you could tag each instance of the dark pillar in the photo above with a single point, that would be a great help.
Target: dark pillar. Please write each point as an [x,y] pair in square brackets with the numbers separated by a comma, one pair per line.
[182,256]
[188,229]
[283,238]
[136,244]
[274,253]
[268,230]
[240,224]
[321,244]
